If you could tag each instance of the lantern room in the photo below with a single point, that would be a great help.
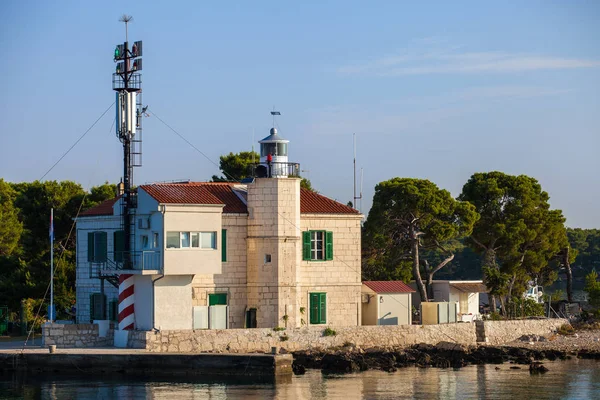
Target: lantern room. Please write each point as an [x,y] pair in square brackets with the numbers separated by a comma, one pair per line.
[275,146]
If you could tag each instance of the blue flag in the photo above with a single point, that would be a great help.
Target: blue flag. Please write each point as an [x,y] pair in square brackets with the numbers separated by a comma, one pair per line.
[51,228]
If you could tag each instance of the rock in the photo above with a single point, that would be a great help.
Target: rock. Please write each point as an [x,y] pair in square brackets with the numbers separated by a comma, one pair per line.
[338,363]
[449,346]
[537,367]
[298,369]
[283,351]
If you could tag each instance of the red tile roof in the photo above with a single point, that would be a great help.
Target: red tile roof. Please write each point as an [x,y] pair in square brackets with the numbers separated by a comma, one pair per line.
[181,193]
[314,203]
[388,286]
[222,193]
[104,208]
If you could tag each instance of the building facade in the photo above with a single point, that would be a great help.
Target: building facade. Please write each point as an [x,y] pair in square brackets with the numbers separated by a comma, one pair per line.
[265,253]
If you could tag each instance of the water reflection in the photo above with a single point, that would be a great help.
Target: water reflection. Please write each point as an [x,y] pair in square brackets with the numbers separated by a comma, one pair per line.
[576,379]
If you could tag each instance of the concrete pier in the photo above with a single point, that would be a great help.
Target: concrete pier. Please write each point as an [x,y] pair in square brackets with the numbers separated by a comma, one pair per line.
[141,363]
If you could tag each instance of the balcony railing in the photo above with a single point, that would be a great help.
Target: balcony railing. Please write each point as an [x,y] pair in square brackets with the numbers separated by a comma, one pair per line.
[275,169]
[144,260]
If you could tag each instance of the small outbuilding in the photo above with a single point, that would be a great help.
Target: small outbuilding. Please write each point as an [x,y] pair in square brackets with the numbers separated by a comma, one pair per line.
[465,293]
[386,303]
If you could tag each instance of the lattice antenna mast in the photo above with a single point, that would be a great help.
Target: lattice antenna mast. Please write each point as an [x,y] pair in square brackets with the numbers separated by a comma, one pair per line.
[127,83]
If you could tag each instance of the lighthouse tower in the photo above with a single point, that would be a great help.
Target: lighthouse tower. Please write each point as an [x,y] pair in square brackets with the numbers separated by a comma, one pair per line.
[274,239]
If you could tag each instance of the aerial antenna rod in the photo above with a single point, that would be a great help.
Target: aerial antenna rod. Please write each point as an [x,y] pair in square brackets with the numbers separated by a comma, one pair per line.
[274,113]
[354,180]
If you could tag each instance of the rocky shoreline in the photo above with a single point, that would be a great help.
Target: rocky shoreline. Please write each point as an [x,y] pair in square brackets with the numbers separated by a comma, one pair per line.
[350,359]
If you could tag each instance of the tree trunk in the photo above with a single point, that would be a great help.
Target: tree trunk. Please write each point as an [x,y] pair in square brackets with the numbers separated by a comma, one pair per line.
[502,306]
[493,303]
[569,272]
[432,272]
[416,271]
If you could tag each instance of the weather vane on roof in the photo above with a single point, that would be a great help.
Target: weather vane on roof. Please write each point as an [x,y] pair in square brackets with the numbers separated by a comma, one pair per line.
[274,113]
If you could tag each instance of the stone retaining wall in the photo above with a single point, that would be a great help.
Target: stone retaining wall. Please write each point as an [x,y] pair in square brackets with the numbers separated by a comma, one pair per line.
[500,332]
[76,335]
[259,340]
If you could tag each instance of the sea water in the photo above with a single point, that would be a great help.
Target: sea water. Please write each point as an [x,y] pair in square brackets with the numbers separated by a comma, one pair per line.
[572,379]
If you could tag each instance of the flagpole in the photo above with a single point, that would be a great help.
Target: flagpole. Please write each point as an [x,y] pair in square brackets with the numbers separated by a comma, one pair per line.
[52,265]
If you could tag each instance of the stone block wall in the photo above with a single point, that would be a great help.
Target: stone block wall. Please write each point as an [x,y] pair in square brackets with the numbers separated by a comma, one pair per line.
[499,332]
[292,339]
[76,335]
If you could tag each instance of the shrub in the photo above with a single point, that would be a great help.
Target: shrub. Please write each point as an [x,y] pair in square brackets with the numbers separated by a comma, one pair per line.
[495,316]
[566,329]
[284,338]
[278,328]
[592,287]
[329,332]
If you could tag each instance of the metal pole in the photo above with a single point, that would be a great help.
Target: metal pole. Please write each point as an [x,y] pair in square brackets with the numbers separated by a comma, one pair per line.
[52,265]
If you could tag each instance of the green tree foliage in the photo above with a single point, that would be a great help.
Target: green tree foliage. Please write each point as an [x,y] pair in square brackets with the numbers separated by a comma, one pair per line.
[305,184]
[518,235]
[10,226]
[409,218]
[592,287]
[586,243]
[236,166]
[26,272]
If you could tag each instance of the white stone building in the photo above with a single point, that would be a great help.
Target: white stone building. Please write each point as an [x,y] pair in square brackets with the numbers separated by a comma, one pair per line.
[265,253]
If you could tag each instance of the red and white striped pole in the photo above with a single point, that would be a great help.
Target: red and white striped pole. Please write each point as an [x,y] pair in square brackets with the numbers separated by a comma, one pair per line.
[126,299]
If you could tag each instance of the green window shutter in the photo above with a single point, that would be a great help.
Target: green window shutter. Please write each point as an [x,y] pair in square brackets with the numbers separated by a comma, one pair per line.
[223,245]
[118,245]
[100,246]
[306,245]
[92,305]
[314,308]
[329,245]
[322,308]
[217,299]
[90,246]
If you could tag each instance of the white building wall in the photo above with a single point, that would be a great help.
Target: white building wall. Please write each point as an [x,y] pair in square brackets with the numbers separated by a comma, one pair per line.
[232,279]
[173,302]
[192,218]
[143,301]
[86,284]
[394,309]
[340,278]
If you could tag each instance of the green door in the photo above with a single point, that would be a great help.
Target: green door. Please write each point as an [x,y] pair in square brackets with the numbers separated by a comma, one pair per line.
[217,299]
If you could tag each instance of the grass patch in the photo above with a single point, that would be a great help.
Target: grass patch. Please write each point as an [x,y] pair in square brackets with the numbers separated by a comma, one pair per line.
[284,338]
[565,329]
[278,328]
[329,332]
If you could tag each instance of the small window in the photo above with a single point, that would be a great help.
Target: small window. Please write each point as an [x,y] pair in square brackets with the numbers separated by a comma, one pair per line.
[155,240]
[209,240]
[173,240]
[97,247]
[145,242]
[185,239]
[317,245]
[267,258]
[195,239]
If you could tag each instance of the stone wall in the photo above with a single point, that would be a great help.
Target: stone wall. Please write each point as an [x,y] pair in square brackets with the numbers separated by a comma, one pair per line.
[499,332]
[292,339]
[76,335]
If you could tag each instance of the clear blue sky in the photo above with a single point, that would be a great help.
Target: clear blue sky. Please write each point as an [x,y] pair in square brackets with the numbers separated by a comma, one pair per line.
[435,90]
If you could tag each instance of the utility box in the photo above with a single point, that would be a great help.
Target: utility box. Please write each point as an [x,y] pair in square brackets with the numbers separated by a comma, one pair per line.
[434,313]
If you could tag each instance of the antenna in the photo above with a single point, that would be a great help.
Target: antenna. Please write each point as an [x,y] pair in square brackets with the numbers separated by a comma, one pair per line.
[354,180]
[274,113]
[126,18]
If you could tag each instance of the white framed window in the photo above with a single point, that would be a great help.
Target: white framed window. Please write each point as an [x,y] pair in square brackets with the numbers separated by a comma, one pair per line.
[186,240]
[173,241]
[317,244]
[145,242]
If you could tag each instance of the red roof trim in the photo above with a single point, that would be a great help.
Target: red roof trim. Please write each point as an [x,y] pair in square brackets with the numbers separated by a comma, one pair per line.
[388,286]
[104,208]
